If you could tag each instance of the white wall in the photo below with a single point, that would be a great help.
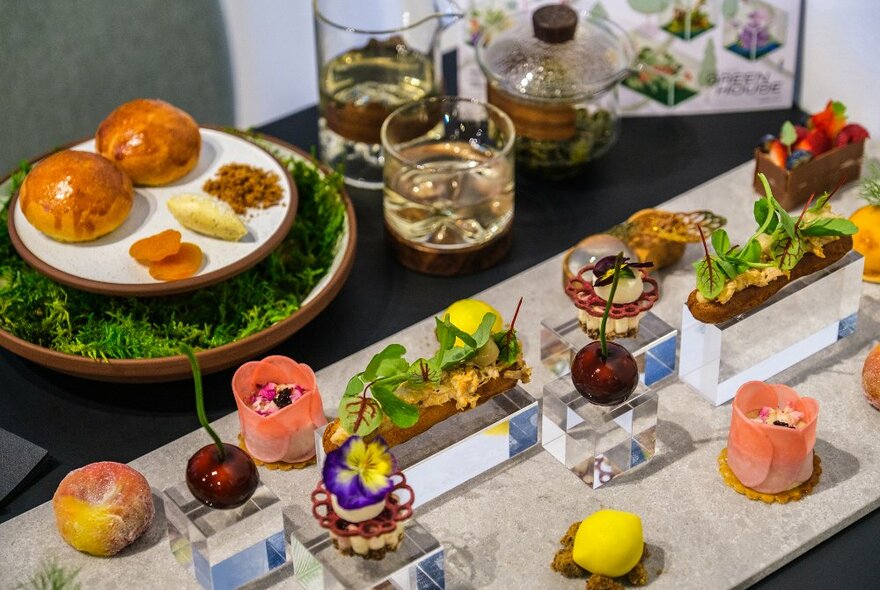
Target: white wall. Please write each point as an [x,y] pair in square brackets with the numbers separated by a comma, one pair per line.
[274,72]
[841,59]
[272,46]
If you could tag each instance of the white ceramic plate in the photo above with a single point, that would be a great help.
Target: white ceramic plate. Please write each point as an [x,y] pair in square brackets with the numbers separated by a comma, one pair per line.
[104,265]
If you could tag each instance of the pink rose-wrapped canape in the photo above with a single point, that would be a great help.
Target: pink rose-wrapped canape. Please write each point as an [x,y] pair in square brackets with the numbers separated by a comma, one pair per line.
[279,407]
[772,435]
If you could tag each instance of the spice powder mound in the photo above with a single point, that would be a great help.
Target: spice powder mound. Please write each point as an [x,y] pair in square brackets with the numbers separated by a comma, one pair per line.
[244,186]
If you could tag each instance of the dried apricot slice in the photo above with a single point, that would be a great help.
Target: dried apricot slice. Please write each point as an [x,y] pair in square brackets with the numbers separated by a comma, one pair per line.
[184,264]
[157,247]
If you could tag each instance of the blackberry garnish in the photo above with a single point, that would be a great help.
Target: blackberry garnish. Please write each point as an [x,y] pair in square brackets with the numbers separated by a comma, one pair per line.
[282,397]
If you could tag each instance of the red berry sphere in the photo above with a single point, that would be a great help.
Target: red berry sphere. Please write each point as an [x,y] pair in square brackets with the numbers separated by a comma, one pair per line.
[226,482]
[605,381]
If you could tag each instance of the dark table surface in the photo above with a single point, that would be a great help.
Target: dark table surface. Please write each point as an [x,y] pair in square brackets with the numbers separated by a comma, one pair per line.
[81,421]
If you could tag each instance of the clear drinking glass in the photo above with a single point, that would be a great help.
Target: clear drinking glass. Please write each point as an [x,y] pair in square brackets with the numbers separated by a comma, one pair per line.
[449,172]
[373,58]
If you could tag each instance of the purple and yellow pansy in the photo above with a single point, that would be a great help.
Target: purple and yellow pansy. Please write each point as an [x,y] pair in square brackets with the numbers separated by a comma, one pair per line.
[359,473]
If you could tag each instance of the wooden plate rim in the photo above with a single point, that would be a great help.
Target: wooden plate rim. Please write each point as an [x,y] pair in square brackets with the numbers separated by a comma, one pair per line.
[212,360]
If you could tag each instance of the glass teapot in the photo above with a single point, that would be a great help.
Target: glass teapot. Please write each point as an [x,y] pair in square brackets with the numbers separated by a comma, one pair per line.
[555,71]
[372,60]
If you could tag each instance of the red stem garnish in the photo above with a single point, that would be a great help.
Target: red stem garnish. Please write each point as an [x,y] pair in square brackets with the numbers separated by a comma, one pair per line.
[807,206]
[840,183]
[362,407]
[509,334]
[708,257]
[426,374]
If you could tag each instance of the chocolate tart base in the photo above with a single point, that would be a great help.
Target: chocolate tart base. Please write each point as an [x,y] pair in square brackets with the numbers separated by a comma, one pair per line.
[795,494]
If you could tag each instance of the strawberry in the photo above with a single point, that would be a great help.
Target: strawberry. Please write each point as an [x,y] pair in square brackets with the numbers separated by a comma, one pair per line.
[831,120]
[816,142]
[852,133]
[801,132]
[778,153]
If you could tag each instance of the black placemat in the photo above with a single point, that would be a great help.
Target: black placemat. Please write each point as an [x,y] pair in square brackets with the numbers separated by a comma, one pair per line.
[18,458]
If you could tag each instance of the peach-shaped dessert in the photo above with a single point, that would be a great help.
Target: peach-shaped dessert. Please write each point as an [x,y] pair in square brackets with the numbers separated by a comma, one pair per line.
[772,435]
[103,507]
[279,408]
[871,377]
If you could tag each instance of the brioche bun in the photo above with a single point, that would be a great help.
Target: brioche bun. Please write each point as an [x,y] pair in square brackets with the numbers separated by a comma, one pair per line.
[150,140]
[74,196]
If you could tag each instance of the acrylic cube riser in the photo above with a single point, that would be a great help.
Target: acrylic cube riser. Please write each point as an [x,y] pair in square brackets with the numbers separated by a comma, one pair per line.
[225,549]
[598,443]
[807,315]
[417,564]
[464,445]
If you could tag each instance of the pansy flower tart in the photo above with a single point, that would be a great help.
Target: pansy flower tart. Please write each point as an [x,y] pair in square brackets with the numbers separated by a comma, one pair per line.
[363,499]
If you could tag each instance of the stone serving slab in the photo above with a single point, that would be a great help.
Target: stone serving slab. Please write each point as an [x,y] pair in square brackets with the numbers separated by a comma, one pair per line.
[501,530]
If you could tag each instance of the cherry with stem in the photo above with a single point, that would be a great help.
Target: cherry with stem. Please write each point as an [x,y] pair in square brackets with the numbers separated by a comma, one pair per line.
[219,475]
[605,373]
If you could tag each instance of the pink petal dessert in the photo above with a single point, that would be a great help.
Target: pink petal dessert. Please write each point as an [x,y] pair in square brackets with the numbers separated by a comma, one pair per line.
[772,435]
[279,408]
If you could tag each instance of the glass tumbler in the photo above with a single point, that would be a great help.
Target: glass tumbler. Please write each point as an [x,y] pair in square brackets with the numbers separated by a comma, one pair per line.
[371,60]
[448,174]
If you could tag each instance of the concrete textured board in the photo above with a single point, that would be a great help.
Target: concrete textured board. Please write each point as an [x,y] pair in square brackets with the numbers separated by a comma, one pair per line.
[501,530]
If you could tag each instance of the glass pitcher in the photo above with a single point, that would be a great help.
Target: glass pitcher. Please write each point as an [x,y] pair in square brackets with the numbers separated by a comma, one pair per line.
[372,60]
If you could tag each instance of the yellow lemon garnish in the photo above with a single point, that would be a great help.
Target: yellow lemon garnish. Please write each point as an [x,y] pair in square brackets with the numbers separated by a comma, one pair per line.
[466,315]
[609,543]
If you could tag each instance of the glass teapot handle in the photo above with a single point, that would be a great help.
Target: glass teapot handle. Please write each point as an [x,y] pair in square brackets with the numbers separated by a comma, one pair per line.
[447,13]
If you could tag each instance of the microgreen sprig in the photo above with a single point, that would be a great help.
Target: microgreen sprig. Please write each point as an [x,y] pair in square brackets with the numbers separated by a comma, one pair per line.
[370,395]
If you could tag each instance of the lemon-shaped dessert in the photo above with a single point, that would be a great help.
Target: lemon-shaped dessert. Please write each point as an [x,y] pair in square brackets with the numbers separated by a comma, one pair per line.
[867,241]
[609,543]
[466,315]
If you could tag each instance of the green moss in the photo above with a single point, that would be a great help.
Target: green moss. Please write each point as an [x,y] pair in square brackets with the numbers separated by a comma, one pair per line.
[43,312]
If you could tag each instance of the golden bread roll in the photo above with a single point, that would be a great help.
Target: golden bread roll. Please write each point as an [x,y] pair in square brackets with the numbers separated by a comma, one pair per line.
[76,196]
[152,141]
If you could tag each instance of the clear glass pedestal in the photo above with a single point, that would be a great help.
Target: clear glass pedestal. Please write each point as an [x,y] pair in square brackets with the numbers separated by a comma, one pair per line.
[225,549]
[803,318]
[417,564]
[653,348]
[464,445]
[598,443]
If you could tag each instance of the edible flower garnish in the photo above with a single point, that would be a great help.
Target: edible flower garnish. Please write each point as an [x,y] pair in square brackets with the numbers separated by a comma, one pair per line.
[271,397]
[787,416]
[359,473]
[604,270]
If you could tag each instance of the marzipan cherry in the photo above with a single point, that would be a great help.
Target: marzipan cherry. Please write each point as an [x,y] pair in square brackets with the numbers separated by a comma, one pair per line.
[221,482]
[604,381]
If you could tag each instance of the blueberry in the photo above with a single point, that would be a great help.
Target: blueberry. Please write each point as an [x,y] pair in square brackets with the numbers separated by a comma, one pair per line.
[797,158]
[765,141]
